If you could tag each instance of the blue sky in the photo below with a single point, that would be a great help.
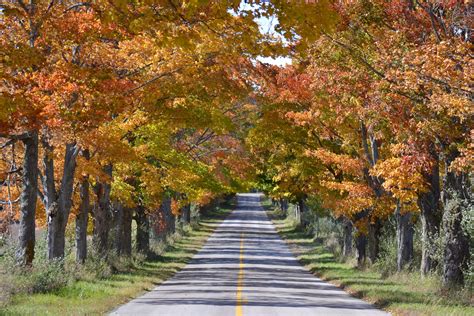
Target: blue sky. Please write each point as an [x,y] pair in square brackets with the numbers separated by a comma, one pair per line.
[267,26]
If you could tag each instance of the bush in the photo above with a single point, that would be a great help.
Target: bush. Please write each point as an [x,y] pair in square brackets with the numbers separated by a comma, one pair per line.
[48,277]
[332,243]
[278,213]
[41,278]
[327,226]
[45,275]
[97,267]
[386,264]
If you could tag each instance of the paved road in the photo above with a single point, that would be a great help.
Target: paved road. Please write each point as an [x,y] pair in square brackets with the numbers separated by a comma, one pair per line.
[246,269]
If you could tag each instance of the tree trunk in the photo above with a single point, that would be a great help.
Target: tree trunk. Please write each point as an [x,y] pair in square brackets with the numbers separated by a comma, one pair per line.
[186,214]
[102,214]
[82,219]
[170,221]
[429,204]
[456,200]
[361,245]
[284,205]
[122,230]
[55,238]
[372,156]
[126,249]
[158,223]
[304,219]
[26,243]
[58,205]
[404,238]
[171,227]
[374,240]
[347,231]
[297,214]
[143,230]
[117,227]
[50,198]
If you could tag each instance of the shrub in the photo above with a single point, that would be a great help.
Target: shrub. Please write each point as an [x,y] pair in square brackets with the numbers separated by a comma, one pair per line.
[327,226]
[386,264]
[96,266]
[333,245]
[278,213]
[47,277]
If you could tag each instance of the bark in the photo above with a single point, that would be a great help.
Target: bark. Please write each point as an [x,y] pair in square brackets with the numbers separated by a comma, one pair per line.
[48,179]
[170,221]
[372,156]
[157,222]
[126,247]
[143,230]
[82,219]
[58,205]
[404,238]
[284,205]
[186,214]
[375,149]
[361,246]
[117,226]
[429,204]
[102,214]
[26,243]
[122,230]
[456,200]
[304,219]
[374,240]
[347,231]
[298,214]
[365,145]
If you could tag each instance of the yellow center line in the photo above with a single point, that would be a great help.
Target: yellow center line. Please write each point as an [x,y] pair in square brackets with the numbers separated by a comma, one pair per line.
[240,279]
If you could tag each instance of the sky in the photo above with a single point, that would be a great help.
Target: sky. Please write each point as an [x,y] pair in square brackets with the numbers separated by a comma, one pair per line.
[267,26]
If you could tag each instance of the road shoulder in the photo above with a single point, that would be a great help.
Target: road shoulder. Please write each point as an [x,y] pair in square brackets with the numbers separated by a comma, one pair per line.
[402,294]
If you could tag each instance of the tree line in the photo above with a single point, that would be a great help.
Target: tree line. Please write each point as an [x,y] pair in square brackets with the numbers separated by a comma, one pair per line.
[114,111]
[375,120]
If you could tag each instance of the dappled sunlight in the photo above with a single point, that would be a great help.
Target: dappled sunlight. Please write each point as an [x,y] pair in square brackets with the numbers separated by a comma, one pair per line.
[396,293]
[273,281]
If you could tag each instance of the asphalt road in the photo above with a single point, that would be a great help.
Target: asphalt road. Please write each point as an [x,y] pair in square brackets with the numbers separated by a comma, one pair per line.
[246,269]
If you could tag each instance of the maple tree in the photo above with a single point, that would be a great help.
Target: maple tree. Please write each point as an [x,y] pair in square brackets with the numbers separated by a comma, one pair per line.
[139,105]
[385,104]
[131,110]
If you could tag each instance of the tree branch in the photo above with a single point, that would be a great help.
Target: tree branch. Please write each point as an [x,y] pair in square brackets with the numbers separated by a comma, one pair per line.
[77,5]
[153,80]
[16,136]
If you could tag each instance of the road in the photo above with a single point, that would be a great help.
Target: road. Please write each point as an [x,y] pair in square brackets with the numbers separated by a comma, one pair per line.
[246,269]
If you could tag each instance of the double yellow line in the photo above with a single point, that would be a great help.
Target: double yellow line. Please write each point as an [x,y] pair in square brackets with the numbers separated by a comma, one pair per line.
[240,279]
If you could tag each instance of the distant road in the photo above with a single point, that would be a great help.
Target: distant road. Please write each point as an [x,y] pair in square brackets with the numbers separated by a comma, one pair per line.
[246,269]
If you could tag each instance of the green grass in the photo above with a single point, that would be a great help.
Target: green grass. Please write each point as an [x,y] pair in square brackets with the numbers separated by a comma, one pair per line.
[98,296]
[400,294]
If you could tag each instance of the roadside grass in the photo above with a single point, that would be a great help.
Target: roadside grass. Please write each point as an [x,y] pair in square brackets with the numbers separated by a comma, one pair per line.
[98,296]
[404,293]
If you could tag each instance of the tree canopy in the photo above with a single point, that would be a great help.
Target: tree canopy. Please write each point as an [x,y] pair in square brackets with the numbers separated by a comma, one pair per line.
[155,105]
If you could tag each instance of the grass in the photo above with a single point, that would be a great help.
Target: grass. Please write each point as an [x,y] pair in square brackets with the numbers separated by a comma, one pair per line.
[98,296]
[400,294]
